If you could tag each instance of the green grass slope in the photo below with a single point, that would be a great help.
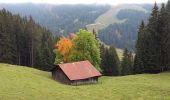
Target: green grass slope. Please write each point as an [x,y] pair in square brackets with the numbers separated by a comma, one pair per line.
[22,83]
[120,53]
[110,17]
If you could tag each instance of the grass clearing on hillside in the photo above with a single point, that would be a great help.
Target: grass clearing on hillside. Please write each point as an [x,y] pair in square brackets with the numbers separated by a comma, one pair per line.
[23,83]
[110,17]
[119,53]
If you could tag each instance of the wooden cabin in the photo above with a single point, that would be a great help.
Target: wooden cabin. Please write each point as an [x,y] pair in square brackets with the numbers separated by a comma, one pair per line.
[76,73]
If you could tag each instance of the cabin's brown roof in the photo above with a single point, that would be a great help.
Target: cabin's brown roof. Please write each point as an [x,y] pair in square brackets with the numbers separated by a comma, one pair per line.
[79,70]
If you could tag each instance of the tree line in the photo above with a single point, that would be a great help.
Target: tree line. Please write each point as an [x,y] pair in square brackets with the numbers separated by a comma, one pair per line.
[153,44]
[112,65]
[24,42]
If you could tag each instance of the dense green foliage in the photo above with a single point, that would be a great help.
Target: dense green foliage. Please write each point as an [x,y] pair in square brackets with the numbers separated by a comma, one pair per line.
[22,83]
[167,36]
[110,63]
[127,63]
[24,42]
[86,47]
[140,49]
[153,42]
[82,46]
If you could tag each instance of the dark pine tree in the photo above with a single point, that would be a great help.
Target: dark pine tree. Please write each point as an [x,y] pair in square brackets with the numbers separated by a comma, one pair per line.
[7,38]
[127,63]
[139,61]
[110,63]
[153,45]
[167,39]
[45,57]
[163,31]
[152,54]
[24,42]
[131,62]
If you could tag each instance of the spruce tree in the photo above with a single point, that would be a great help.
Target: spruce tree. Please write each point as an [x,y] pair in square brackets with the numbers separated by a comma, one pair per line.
[139,61]
[20,42]
[131,62]
[45,56]
[152,54]
[19,34]
[163,37]
[7,39]
[127,63]
[153,49]
[167,39]
[102,56]
[138,65]
[124,63]
[110,63]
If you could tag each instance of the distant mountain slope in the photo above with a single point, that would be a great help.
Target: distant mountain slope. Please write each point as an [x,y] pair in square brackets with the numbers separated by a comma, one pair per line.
[63,19]
[116,25]
[123,35]
[119,25]
[110,17]
[23,83]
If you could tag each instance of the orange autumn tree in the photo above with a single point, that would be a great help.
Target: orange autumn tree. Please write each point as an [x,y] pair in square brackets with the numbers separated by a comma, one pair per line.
[63,49]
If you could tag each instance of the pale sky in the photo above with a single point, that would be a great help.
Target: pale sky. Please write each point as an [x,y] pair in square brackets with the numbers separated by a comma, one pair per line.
[113,2]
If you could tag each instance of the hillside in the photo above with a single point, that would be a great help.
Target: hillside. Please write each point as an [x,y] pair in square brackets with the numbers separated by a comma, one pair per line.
[120,53]
[59,19]
[115,24]
[110,17]
[121,30]
[22,83]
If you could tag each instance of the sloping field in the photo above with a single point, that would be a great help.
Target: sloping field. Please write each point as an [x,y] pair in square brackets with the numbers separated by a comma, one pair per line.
[23,83]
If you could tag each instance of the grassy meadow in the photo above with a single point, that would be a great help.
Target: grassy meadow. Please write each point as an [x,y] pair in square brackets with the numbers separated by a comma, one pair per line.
[23,83]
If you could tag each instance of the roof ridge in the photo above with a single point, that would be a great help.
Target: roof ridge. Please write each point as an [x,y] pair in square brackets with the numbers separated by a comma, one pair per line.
[79,70]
